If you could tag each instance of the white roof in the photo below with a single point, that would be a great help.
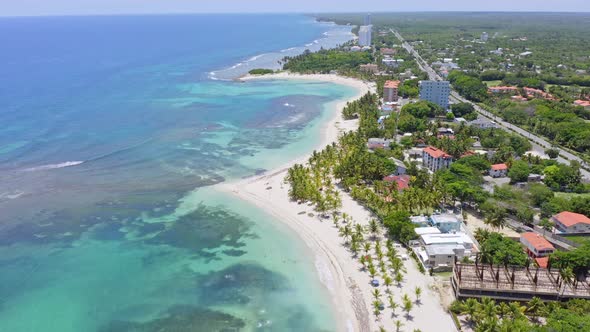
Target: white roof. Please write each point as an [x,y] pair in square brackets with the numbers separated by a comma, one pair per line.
[444,218]
[426,230]
[444,249]
[447,238]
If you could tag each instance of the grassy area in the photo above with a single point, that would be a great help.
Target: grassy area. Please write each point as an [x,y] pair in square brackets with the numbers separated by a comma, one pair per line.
[493,83]
[581,239]
[571,195]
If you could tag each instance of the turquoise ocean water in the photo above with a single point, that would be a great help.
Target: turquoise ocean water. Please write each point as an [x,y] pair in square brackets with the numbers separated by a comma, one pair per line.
[107,125]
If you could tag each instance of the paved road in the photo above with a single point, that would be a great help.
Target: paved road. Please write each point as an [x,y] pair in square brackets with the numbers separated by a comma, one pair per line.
[539,144]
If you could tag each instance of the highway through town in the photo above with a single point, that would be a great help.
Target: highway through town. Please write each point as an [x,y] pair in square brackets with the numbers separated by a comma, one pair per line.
[539,144]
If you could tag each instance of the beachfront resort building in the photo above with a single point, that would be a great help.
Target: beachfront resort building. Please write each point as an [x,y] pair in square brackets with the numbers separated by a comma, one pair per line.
[499,170]
[365,32]
[435,159]
[390,91]
[570,222]
[436,91]
[537,247]
[439,251]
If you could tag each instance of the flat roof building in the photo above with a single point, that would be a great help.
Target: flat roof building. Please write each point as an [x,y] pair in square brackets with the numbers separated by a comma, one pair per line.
[436,91]
[365,35]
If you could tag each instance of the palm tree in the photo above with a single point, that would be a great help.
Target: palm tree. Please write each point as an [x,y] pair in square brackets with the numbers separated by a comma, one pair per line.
[407,306]
[470,308]
[376,308]
[376,294]
[418,292]
[398,325]
[367,247]
[534,307]
[516,311]
[346,232]
[374,228]
[388,282]
[392,304]
[372,271]
[399,278]
[481,235]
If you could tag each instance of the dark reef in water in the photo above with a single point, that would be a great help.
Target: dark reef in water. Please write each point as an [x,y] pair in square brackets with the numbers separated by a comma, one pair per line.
[239,284]
[182,319]
[205,229]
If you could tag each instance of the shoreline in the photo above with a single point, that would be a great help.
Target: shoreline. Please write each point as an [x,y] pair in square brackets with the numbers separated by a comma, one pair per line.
[332,261]
[338,271]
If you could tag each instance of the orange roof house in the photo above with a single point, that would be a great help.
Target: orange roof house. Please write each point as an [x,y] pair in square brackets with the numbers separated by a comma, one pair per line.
[499,167]
[537,247]
[570,222]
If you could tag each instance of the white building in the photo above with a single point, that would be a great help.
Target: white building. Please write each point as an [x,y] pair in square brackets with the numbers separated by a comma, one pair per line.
[437,256]
[460,239]
[484,37]
[570,222]
[482,123]
[365,35]
[435,159]
[436,91]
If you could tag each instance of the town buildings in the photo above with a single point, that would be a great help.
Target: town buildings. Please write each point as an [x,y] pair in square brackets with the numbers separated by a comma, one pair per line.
[482,123]
[379,143]
[435,159]
[570,222]
[365,35]
[499,170]
[436,91]
[370,68]
[390,91]
[537,247]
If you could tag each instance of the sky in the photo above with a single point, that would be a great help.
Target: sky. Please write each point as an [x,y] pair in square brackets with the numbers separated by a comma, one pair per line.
[104,7]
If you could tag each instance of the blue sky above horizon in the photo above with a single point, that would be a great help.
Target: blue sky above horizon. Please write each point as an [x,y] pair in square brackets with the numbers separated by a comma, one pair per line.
[103,7]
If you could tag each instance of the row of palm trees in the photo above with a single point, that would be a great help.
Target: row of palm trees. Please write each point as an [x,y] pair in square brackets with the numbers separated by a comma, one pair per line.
[487,315]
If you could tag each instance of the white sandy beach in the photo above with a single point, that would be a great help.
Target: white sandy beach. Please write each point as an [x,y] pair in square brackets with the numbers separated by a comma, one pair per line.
[349,286]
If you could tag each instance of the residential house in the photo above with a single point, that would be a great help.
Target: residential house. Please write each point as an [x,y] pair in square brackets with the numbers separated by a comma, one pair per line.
[499,170]
[512,90]
[435,159]
[482,123]
[402,181]
[537,247]
[570,222]
[388,51]
[370,68]
[379,143]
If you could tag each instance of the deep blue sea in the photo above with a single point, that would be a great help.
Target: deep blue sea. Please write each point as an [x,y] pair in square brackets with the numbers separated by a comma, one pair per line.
[113,131]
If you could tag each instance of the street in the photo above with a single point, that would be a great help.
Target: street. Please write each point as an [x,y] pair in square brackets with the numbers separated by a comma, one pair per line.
[539,144]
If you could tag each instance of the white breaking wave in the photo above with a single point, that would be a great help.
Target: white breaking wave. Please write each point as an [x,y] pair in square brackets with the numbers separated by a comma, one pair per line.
[54,166]
[288,105]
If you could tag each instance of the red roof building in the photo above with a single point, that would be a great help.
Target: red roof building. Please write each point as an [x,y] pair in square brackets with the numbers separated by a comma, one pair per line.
[499,170]
[435,159]
[402,181]
[570,222]
[583,103]
[390,91]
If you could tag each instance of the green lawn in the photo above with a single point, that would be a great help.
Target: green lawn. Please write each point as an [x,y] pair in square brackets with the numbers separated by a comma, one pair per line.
[570,195]
[493,83]
[579,239]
